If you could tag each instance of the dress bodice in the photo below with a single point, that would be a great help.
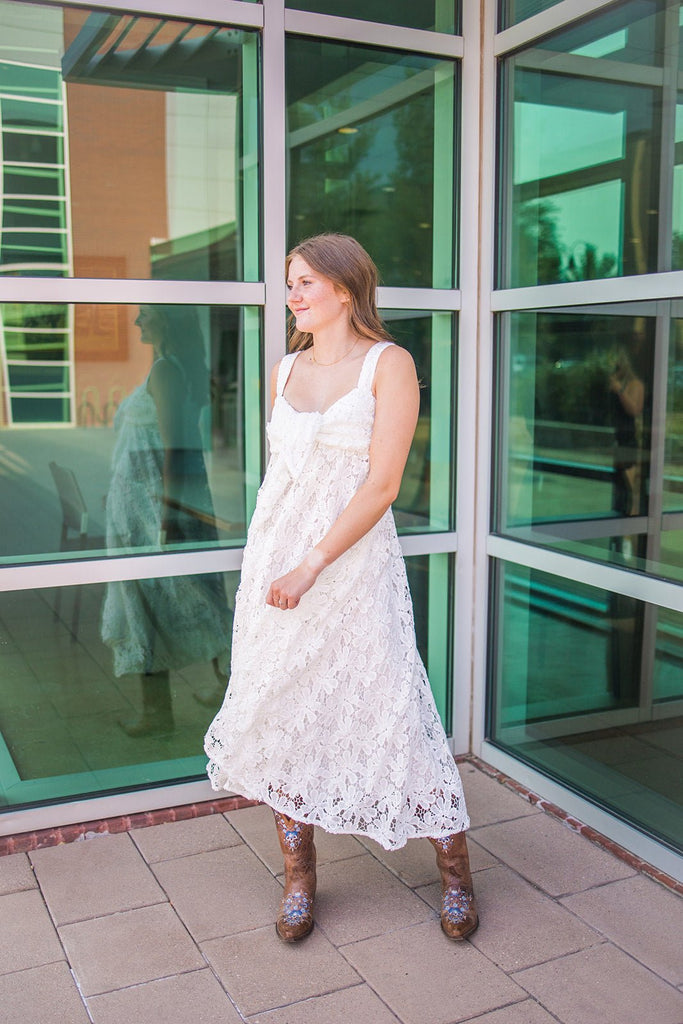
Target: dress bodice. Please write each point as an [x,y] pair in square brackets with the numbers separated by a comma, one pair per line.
[346,424]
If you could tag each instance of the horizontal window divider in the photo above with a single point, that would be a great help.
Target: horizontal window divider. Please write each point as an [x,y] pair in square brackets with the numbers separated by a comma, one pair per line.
[564,13]
[429,544]
[588,813]
[439,299]
[578,529]
[131,292]
[639,287]
[371,33]
[45,575]
[234,13]
[653,590]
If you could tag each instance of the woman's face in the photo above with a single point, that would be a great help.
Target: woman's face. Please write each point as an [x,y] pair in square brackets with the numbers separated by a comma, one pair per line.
[149,322]
[315,301]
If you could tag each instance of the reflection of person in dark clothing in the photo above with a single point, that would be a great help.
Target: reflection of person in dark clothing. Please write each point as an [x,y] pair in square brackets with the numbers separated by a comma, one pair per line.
[627,395]
[627,400]
[159,494]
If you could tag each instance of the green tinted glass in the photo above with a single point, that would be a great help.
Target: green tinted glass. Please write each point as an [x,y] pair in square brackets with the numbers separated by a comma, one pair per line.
[162,446]
[572,694]
[365,158]
[439,15]
[121,689]
[134,138]
[587,129]
[513,11]
[579,465]
[430,580]
[425,501]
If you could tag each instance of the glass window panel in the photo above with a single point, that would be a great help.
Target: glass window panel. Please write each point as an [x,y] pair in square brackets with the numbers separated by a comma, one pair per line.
[570,697]
[430,580]
[108,651]
[677,239]
[575,412]
[429,14]
[673,433]
[25,377]
[668,677]
[33,213]
[513,11]
[159,119]
[426,498]
[581,150]
[365,159]
[32,149]
[162,449]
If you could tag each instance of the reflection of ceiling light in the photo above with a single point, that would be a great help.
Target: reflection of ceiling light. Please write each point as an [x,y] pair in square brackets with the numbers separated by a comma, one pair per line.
[424,224]
[388,188]
[347,131]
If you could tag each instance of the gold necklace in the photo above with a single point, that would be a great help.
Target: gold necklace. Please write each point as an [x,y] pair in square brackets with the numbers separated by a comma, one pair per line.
[334,361]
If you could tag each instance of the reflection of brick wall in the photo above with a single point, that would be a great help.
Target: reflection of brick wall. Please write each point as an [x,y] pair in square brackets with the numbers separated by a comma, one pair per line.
[117,168]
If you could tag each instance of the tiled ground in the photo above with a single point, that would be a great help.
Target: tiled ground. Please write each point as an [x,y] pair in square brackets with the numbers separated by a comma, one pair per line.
[174,924]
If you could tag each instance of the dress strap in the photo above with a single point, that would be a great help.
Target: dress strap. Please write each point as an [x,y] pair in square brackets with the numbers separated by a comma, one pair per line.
[283,373]
[367,373]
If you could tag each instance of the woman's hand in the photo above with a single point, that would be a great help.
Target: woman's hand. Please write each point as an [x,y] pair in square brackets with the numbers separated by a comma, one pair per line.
[286,592]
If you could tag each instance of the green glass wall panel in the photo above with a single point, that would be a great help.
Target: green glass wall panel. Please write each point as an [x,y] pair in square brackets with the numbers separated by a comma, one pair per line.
[585,123]
[430,578]
[426,499]
[569,696]
[513,11]
[439,15]
[366,158]
[147,131]
[105,651]
[174,467]
[579,466]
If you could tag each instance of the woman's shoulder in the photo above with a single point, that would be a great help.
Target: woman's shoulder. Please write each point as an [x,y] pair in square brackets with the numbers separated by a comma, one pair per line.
[394,358]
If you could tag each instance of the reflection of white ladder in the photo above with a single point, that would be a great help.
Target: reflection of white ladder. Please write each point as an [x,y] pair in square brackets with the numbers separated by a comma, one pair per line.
[36,341]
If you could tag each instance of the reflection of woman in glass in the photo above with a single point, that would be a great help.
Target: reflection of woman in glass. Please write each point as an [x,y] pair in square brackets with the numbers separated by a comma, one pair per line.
[627,394]
[329,717]
[159,493]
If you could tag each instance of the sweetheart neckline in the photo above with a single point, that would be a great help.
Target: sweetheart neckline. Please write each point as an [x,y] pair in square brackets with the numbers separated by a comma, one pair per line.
[316,412]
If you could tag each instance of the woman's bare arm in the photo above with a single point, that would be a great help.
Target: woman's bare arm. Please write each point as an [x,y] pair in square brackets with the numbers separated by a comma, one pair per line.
[398,401]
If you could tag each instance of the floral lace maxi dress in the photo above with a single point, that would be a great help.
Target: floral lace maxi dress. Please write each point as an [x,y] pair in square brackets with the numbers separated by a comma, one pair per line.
[329,717]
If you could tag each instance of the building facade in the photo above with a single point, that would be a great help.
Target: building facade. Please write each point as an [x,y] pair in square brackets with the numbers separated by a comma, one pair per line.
[516,171]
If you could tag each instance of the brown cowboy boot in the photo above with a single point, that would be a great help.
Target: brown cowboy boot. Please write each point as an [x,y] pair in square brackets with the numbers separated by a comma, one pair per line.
[458,908]
[295,920]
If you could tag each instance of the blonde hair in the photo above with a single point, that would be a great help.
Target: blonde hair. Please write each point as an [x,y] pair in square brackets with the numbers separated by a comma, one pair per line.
[345,262]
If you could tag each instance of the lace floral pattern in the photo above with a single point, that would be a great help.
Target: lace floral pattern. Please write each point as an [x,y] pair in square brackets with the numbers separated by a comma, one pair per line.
[329,717]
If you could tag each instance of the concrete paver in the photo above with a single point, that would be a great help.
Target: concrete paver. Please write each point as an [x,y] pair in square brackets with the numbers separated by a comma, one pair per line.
[426,979]
[175,923]
[196,997]
[88,879]
[221,892]
[28,935]
[602,984]
[16,874]
[550,855]
[643,918]
[183,838]
[129,948]
[261,972]
[45,994]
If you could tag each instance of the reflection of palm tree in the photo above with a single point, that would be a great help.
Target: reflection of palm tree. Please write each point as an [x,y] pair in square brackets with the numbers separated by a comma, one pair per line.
[584,264]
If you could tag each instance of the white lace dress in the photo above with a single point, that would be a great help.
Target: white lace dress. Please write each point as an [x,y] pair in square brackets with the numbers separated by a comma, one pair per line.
[329,717]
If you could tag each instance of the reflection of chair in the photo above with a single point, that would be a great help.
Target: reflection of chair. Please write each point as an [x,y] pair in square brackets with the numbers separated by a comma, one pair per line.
[74,520]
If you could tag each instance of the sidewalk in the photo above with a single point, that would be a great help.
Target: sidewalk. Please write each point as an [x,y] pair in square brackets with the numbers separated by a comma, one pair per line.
[174,924]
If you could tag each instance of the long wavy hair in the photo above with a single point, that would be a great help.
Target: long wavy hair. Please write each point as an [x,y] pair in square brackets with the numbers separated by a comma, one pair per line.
[345,262]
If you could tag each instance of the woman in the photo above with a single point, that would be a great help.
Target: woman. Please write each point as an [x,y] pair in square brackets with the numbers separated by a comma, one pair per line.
[159,494]
[329,717]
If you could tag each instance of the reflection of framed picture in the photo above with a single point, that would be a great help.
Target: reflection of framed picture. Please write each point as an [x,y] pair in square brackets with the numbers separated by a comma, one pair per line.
[100,331]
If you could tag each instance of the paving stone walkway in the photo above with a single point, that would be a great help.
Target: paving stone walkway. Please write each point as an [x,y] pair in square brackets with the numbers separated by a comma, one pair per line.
[174,924]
